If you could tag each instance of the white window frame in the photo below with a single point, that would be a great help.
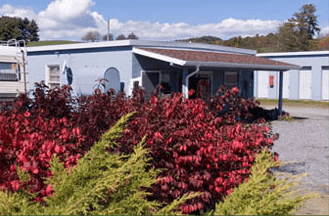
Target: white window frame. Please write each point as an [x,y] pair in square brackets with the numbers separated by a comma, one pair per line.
[53,84]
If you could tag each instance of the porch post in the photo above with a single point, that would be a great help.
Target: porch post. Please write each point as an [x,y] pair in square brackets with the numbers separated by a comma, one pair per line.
[280,92]
[184,87]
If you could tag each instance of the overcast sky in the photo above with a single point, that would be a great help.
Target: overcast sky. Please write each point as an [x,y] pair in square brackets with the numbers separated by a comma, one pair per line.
[160,19]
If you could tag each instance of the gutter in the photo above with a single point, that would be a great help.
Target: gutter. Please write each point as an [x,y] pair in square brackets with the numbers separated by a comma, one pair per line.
[243,66]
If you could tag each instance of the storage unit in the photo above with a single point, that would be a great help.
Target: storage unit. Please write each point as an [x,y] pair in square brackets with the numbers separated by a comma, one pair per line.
[307,83]
[325,83]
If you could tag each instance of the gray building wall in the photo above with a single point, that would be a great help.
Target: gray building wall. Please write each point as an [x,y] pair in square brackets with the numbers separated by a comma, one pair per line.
[87,65]
[315,60]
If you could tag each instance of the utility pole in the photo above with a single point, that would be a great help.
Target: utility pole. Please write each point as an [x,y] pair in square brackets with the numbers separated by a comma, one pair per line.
[108,30]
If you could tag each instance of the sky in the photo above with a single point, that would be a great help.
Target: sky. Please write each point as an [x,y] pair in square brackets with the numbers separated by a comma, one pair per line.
[160,19]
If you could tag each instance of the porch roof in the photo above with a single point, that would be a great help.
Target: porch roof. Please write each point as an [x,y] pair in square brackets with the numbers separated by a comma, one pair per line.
[201,58]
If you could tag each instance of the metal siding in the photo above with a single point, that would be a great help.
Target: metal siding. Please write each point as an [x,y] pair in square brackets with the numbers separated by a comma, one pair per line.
[305,84]
[313,60]
[325,84]
[87,68]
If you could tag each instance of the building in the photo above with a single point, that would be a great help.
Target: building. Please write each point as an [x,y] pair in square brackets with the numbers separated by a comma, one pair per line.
[12,69]
[310,82]
[124,64]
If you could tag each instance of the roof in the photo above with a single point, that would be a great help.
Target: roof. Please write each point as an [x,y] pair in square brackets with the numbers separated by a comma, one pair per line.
[213,59]
[294,54]
[139,43]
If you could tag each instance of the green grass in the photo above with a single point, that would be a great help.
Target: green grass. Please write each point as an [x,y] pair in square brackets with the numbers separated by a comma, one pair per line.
[300,103]
[45,43]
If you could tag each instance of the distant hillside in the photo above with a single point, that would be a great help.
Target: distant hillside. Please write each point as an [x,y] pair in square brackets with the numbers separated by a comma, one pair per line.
[45,43]
[263,44]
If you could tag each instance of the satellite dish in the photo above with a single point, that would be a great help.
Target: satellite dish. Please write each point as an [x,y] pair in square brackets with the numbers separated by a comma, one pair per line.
[112,79]
[69,76]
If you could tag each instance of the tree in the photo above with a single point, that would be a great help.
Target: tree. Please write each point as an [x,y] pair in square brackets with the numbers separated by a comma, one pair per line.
[105,37]
[32,29]
[306,21]
[295,35]
[121,37]
[132,36]
[92,36]
[18,28]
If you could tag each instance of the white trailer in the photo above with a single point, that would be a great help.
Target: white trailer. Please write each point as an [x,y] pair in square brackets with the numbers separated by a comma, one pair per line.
[13,72]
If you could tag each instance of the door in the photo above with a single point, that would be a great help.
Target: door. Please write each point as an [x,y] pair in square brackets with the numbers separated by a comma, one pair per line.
[325,84]
[112,79]
[305,84]
[286,84]
[263,84]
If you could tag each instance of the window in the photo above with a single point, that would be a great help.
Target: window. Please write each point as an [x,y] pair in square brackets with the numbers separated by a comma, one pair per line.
[9,71]
[231,79]
[53,76]
[325,67]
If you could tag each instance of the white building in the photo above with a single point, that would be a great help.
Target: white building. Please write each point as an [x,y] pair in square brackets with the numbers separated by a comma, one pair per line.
[310,82]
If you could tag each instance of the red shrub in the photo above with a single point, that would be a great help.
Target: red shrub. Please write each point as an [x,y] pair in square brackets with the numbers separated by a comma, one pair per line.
[29,142]
[199,147]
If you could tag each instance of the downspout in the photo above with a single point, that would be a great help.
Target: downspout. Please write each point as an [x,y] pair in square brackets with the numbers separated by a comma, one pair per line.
[187,78]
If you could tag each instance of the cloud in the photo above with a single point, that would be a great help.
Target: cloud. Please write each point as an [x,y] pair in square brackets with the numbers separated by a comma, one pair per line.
[71,19]
[324,31]
[8,10]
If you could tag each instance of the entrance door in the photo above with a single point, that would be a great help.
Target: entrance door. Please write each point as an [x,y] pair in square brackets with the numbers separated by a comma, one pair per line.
[305,84]
[201,84]
[263,80]
[325,84]
[203,90]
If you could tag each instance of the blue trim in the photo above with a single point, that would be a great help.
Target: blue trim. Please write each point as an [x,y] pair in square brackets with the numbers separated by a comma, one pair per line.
[82,50]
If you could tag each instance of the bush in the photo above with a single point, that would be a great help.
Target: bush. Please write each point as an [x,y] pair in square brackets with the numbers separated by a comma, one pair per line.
[100,183]
[29,142]
[199,147]
[263,193]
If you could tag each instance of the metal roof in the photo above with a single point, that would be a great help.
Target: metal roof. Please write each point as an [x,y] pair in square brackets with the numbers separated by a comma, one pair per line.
[138,43]
[185,57]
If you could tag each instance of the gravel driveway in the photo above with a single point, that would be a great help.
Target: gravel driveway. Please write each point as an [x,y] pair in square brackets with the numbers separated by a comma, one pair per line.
[305,141]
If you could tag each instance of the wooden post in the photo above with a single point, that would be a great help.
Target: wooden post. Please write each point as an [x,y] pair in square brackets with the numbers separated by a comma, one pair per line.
[280,92]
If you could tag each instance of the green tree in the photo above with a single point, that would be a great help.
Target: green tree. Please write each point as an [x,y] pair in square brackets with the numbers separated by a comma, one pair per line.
[18,28]
[32,29]
[296,34]
[306,21]
[9,28]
